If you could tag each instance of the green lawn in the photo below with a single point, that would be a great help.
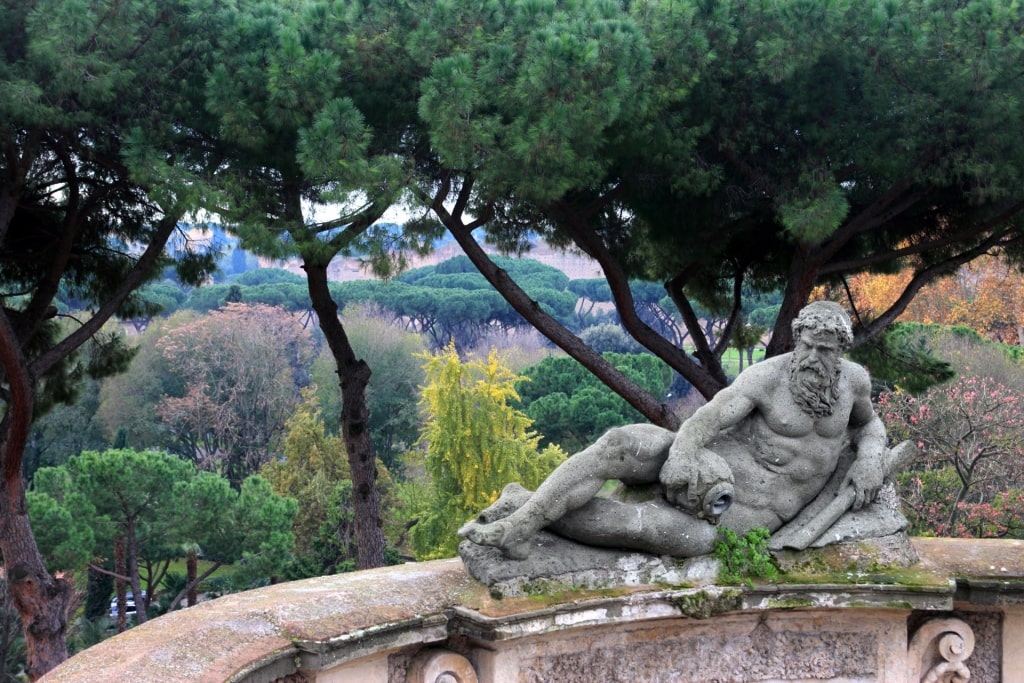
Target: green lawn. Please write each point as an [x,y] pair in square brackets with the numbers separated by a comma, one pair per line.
[180,566]
[731,360]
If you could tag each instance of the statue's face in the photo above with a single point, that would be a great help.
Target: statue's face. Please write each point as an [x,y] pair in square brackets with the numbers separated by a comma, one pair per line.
[814,373]
[817,357]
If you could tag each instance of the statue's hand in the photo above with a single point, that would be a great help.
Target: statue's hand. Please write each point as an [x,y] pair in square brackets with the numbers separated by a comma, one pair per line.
[676,476]
[865,476]
[700,484]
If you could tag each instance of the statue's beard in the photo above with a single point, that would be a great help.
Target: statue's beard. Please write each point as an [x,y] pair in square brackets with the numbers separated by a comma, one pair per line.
[814,386]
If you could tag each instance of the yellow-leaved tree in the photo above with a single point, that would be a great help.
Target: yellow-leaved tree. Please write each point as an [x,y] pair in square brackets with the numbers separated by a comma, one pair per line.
[315,472]
[476,442]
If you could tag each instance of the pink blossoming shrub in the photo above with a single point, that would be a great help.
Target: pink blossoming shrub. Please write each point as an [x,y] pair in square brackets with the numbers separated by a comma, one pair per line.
[969,479]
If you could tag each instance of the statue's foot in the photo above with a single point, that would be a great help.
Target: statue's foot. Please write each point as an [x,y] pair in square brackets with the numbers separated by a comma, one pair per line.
[493,528]
[512,497]
[501,535]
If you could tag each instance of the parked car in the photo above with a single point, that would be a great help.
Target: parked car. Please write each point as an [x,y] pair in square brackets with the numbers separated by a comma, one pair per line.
[129,607]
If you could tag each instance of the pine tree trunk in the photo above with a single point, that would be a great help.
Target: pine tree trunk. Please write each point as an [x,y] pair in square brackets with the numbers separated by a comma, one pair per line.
[354,376]
[192,571]
[120,568]
[42,601]
[132,555]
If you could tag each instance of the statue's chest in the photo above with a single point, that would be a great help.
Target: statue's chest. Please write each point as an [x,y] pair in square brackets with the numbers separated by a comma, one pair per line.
[785,418]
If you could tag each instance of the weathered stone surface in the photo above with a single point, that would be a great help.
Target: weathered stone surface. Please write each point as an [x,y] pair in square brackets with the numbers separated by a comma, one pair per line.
[320,620]
[557,563]
[880,519]
[986,657]
[737,651]
[366,627]
[873,555]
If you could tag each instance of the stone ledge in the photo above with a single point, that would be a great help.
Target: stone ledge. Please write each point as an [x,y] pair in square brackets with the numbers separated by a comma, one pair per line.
[589,610]
[271,632]
[315,621]
[857,595]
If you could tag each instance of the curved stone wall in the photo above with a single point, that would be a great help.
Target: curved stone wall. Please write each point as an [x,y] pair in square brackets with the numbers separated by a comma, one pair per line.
[959,611]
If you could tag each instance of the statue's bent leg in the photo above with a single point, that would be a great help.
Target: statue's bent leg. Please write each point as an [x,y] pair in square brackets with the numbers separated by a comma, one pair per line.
[634,453]
[655,527]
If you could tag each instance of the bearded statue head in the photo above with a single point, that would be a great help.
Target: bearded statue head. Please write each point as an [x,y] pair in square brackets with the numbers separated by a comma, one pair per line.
[823,333]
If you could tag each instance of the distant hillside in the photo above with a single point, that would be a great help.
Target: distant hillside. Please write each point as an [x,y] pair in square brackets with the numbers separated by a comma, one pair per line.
[344,269]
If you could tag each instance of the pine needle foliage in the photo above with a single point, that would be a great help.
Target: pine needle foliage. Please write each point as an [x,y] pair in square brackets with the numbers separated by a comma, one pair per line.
[476,442]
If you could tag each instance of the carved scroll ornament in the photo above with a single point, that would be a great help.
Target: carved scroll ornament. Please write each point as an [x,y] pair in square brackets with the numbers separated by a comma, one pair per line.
[938,652]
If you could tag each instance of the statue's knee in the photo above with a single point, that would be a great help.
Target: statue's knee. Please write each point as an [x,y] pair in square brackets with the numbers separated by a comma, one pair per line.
[620,454]
[616,439]
[612,446]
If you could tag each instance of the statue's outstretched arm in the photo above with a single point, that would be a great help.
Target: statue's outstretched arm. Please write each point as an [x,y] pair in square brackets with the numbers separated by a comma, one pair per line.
[696,479]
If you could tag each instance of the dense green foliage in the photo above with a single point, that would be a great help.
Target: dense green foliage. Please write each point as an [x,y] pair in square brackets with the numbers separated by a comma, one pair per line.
[157,505]
[98,108]
[315,472]
[65,430]
[571,408]
[718,147]
[725,149]
[216,389]
[397,376]
[452,302]
[901,357]
[742,558]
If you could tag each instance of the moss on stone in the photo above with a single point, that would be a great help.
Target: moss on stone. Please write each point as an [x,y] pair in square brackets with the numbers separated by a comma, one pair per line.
[790,603]
[892,604]
[704,604]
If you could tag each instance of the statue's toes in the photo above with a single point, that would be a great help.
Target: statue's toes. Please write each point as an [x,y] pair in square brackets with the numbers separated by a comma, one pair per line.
[484,534]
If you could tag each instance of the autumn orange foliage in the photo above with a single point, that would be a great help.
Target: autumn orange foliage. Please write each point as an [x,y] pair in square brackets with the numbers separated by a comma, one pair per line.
[986,295]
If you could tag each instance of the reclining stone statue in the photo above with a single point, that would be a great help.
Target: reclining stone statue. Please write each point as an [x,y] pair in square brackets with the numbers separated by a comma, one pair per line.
[791,445]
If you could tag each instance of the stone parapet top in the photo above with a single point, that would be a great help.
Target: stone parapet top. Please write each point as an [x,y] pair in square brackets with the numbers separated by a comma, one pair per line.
[972,558]
[319,622]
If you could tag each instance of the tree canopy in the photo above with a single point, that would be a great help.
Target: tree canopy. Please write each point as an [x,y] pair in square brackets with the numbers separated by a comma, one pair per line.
[571,408]
[476,443]
[97,113]
[155,504]
[312,105]
[710,146]
[968,479]
[452,302]
[240,369]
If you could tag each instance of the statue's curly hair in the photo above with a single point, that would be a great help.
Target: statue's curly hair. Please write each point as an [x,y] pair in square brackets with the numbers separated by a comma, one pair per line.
[825,317]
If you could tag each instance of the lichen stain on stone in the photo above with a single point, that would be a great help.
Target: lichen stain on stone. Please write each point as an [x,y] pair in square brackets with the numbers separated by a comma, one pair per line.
[789,603]
[341,623]
[496,607]
[704,605]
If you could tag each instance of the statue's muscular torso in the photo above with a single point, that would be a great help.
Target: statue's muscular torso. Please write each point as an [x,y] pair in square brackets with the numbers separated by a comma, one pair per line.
[780,456]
